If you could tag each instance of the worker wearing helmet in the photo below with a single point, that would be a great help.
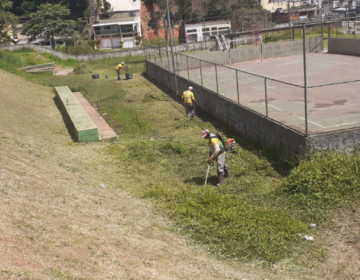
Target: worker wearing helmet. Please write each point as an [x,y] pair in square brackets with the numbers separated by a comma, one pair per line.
[119,68]
[189,103]
[218,153]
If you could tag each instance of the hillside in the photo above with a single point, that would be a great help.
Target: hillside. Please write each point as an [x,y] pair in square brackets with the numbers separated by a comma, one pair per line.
[60,223]
[137,208]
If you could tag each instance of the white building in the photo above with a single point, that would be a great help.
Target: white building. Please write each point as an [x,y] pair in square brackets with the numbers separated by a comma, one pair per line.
[198,32]
[121,24]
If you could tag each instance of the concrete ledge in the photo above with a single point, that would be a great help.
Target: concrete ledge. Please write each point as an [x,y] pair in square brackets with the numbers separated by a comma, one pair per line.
[82,128]
[39,66]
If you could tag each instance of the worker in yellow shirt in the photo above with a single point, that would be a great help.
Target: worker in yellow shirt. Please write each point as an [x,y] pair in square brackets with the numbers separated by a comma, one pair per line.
[119,68]
[189,103]
[217,152]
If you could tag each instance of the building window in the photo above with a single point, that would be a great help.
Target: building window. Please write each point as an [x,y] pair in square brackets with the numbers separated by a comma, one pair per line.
[107,27]
[126,28]
[206,29]
[190,31]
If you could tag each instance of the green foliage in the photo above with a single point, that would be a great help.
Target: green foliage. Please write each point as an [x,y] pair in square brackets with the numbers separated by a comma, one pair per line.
[230,227]
[49,21]
[81,69]
[80,49]
[7,20]
[26,7]
[94,43]
[323,181]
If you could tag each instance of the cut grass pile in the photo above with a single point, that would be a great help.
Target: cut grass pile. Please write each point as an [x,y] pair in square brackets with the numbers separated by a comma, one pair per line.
[263,208]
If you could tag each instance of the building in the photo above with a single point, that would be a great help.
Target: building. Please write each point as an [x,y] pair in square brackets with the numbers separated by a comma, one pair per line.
[120,26]
[198,32]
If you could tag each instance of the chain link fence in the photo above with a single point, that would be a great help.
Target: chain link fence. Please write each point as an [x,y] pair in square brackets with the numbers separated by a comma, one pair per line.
[312,93]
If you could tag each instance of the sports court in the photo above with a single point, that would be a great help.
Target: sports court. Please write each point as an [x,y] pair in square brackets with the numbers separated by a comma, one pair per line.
[275,88]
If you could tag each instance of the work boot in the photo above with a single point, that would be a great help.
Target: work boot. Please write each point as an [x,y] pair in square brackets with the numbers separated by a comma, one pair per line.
[221,178]
[226,171]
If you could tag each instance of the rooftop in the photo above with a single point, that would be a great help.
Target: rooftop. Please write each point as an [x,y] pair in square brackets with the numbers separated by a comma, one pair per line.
[125,5]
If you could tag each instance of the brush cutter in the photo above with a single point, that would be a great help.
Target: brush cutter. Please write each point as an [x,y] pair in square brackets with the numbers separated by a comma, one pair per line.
[207,173]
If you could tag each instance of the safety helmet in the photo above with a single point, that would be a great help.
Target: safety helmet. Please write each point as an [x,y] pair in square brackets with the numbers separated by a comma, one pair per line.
[122,63]
[190,88]
[204,133]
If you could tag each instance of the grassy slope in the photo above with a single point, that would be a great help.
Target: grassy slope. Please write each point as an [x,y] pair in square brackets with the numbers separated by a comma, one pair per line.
[60,223]
[237,220]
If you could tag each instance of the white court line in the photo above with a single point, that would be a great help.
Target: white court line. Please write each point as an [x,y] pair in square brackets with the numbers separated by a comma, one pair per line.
[275,107]
[312,122]
[340,124]
[290,62]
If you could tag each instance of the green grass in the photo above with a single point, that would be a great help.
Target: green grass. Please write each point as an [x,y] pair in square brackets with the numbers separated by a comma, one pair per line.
[264,206]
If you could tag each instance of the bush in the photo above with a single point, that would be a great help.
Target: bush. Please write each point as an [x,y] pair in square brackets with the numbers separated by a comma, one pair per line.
[78,50]
[81,69]
[327,177]
[94,43]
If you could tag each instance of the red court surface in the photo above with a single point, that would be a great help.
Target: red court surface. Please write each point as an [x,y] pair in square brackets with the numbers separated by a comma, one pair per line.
[329,108]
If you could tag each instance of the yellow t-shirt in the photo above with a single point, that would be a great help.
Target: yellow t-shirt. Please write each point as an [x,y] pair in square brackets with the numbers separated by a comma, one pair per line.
[119,67]
[188,97]
[214,141]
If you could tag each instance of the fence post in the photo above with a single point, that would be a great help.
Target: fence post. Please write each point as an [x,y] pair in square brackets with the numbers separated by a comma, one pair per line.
[305,84]
[322,31]
[217,84]
[161,60]
[355,29]
[187,63]
[237,86]
[177,64]
[168,58]
[266,99]
[155,56]
[201,74]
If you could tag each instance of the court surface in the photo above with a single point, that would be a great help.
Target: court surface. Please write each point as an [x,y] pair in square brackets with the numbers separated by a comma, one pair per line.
[329,107]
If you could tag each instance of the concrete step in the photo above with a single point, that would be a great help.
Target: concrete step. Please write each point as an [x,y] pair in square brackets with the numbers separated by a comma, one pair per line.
[104,130]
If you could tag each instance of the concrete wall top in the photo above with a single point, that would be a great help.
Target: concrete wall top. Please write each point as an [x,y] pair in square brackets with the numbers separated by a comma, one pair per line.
[98,56]
[257,52]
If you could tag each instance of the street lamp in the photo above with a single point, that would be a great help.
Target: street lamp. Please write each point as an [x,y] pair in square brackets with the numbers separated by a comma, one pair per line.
[172,51]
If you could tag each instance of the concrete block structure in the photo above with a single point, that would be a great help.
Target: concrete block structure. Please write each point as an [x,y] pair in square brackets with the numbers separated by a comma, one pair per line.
[80,125]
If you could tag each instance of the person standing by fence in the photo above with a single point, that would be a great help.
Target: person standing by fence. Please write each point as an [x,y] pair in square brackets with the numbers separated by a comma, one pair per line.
[189,103]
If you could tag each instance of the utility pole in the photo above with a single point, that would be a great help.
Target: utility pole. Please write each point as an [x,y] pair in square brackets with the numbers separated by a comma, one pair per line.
[289,19]
[172,50]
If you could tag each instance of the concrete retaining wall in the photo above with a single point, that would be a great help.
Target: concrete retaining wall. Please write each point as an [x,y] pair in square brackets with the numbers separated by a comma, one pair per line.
[250,125]
[337,140]
[344,46]
[98,56]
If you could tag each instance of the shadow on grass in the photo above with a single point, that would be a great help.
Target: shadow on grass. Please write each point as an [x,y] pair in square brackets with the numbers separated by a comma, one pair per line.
[200,181]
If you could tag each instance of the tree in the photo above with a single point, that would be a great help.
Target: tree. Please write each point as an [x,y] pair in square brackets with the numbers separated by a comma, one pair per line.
[7,20]
[49,21]
[158,12]
[217,9]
